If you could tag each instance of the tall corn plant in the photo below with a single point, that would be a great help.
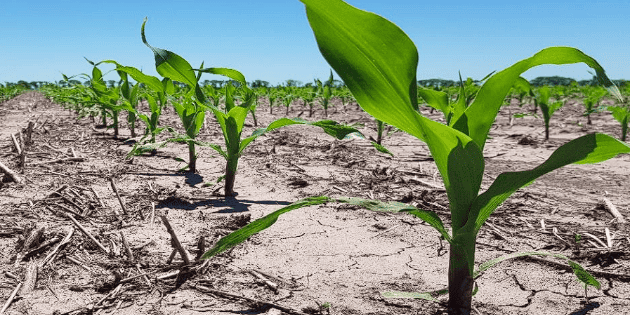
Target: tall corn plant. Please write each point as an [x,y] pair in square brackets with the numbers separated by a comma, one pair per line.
[378,62]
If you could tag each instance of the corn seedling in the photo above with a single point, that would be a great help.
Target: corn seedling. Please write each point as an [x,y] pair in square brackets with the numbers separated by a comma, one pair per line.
[324,92]
[591,101]
[288,95]
[378,62]
[547,108]
[107,97]
[622,115]
[231,118]
[308,95]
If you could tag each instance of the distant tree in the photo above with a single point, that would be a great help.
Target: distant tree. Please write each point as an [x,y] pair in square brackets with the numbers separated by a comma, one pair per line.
[293,83]
[551,81]
[436,83]
[259,83]
[24,84]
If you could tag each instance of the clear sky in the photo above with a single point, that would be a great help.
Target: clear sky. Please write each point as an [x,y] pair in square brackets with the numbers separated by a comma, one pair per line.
[271,40]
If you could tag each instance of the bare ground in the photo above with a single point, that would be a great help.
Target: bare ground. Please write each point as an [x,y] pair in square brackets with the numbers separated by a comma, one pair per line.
[329,259]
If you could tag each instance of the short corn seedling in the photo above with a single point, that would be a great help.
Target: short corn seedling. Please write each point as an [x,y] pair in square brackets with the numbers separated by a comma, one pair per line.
[622,115]
[591,101]
[324,92]
[155,94]
[107,98]
[378,62]
[231,118]
[547,108]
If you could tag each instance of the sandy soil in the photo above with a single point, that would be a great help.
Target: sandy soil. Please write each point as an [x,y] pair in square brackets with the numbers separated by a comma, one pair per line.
[330,259]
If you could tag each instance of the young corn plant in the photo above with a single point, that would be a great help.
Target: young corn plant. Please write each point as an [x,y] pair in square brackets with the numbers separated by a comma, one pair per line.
[231,118]
[325,93]
[547,108]
[308,95]
[591,101]
[621,113]
[378,62]
[156,95]
[107,98]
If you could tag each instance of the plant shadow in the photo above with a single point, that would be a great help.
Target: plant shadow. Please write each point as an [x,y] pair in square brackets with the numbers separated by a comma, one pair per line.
[227,205]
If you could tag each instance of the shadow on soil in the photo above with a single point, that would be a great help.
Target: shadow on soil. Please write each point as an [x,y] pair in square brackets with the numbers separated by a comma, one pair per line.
[228,205]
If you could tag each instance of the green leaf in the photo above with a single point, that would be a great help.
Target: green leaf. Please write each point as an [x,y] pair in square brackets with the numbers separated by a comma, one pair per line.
[381,148]
[377,60]
[435,99]
[581,273]
[230,73]
[152,82]
[256,226]
[592,148]
[480,115]
[376,205]
[170,65]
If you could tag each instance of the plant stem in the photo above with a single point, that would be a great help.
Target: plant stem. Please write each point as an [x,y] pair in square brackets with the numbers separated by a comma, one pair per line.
[460,279]
[115,117]
[192,158]
[230,174]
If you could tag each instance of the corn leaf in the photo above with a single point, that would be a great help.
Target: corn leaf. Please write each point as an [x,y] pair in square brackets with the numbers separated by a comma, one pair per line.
[378,62]
[230,73]
[169,64]
[435,99]
[386,90]
[581,273]
[592,148]
[256,226]
[375,205]
[480,115]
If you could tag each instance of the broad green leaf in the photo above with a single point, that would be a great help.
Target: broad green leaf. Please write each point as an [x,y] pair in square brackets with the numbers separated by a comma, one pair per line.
[256,226]
[619,113]
[435,99]
[239,114]
[583,275]
[480,115]
[151,81]
[171,65]
[377,60]
[375,205]
[592,148]
[330,127]
[522,84]
[230,73]
[213,146]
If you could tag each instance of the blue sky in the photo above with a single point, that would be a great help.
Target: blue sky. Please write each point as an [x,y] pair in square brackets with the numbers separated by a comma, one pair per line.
[271,39]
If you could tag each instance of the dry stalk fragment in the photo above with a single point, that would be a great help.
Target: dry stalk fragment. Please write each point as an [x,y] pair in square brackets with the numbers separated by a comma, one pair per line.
[122,205]
[613,210]
[175,241]
[11,297]
[11,173]
[78,225]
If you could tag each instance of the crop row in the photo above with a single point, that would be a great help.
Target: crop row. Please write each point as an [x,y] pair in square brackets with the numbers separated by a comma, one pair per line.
[379,71]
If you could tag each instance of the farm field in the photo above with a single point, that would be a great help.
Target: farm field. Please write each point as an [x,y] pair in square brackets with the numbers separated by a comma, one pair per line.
[324,259]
